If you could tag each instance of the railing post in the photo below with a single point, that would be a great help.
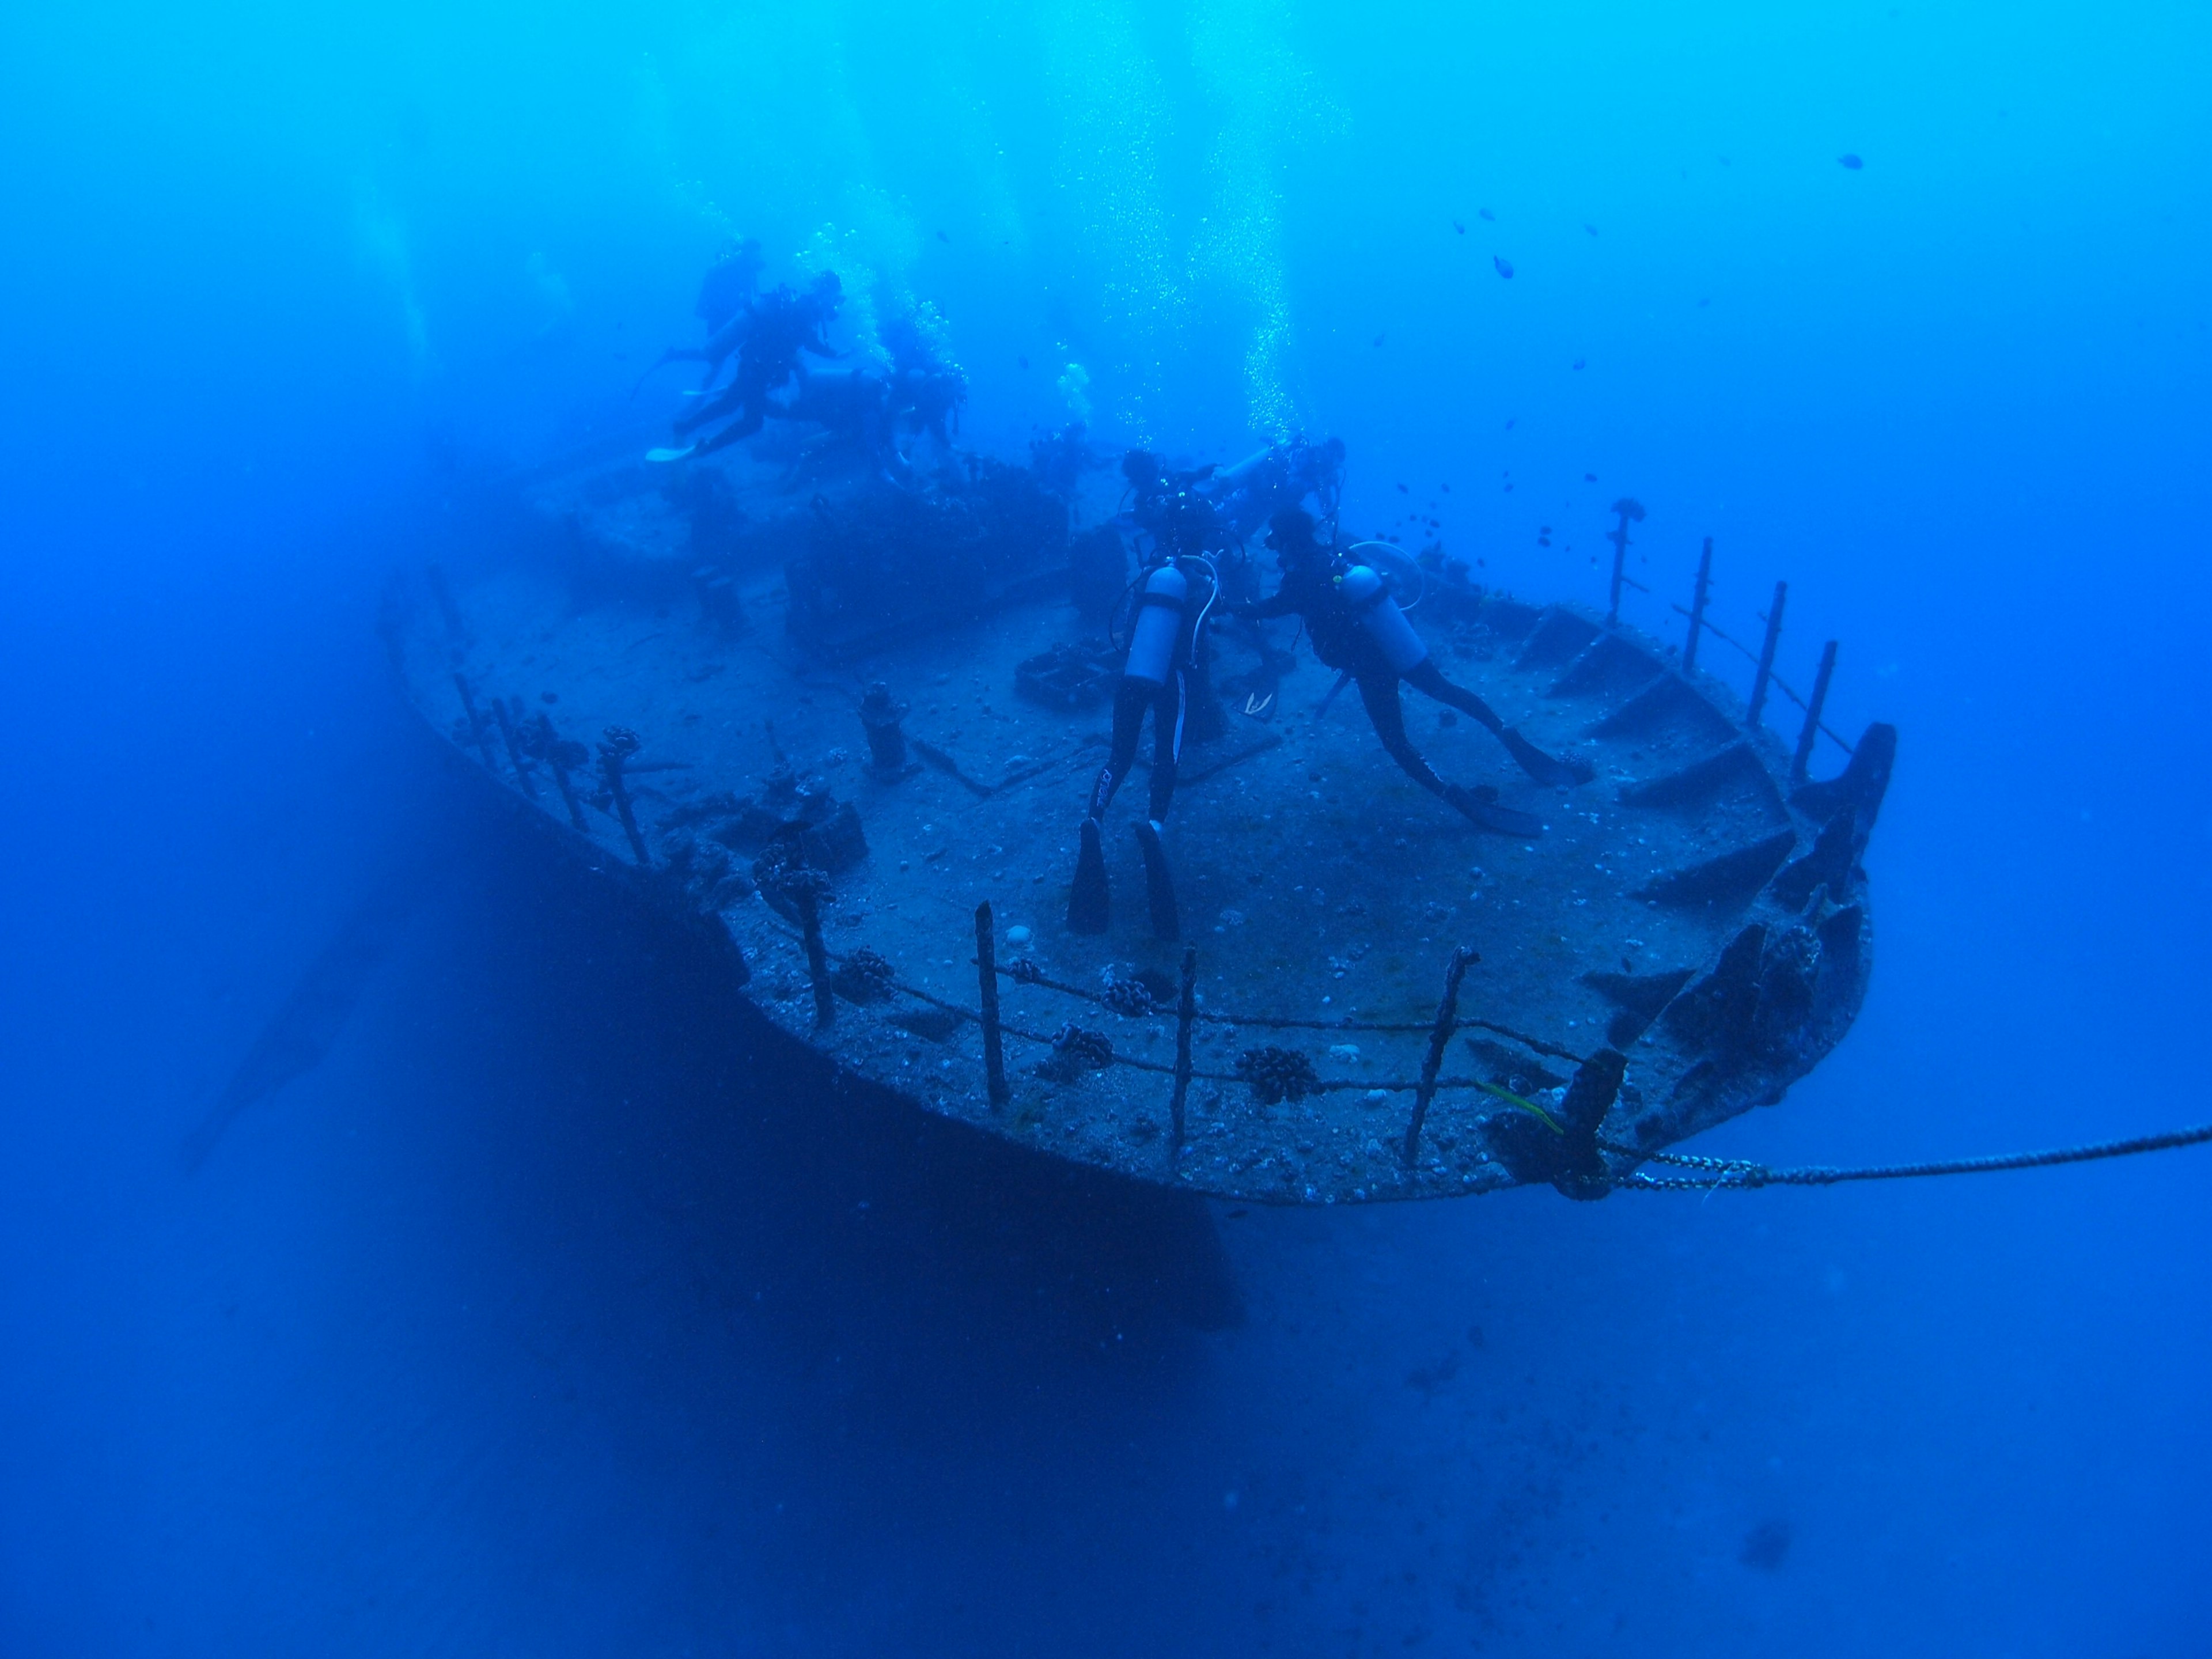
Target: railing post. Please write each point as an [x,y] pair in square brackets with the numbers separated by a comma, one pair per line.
[475,721]
[620,745]
[806,896]
[1803,760]
[1186,1012]
[1765,675]
[552,739]
[1439,1039]
[1697,607]
[987,978]
[1629,508]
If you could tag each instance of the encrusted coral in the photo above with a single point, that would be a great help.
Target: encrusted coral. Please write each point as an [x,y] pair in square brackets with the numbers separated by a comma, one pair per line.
[1277,1074]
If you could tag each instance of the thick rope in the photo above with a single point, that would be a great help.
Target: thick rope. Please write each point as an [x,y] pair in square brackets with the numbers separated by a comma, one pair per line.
[1715,1173]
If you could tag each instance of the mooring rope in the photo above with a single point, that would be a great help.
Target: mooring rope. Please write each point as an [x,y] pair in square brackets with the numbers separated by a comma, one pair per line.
[1715,1173]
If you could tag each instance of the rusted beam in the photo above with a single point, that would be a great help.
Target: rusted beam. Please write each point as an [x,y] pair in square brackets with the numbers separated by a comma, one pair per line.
[1764,677]
[1697,607]
[1439,1039]
[1802,761]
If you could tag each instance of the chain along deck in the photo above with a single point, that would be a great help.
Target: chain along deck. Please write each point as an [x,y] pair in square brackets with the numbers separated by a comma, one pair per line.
[1690,911]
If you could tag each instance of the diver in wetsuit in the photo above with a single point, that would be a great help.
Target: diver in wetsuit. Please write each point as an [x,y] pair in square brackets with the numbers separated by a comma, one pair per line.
[726,294]
[1167,645]
[1357,628]
[771,334]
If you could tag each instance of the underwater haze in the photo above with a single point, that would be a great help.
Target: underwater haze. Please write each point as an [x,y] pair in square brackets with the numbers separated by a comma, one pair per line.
[553,1314]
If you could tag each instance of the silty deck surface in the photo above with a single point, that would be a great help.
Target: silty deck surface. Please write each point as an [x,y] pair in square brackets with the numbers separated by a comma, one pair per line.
[1317,882]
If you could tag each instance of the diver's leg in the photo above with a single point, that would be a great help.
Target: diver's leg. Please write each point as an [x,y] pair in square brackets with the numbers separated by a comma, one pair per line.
[1424,676]
[1087,897]
[737,432]
[1168,708]
[1380,693]
[728,402]
[1169,704]
[1131,698]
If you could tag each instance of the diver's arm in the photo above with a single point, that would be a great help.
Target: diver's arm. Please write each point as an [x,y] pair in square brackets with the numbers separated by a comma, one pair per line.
[1283,604]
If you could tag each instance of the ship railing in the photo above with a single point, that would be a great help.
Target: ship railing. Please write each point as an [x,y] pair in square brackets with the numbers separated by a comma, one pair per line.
[1273,1075]
[1294,1078]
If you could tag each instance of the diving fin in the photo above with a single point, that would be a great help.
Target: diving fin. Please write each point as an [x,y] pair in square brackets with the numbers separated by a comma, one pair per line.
[1159,883]
[670,454]
[1545,768]
[1086,900]
[1482,810]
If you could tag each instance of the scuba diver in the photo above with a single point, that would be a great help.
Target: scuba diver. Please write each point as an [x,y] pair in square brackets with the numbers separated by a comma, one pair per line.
[1357,628]
[771,333]
[1162,674]
[725,306]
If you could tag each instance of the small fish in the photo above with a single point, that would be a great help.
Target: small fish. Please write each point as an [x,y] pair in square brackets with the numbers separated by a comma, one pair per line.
[1460,225]
[942,238]
[1591,229]
[1445,488]
[1578,362]
[1527,1106]
[1488,215]
[1504,267]
[1024,361]
[1402,490]
[1378,339]
[1850,162]
[1589,477]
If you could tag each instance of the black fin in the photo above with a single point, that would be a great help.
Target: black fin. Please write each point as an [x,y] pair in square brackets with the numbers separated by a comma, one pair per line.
[1482,810]
[1086,900]
[1160,885]
[1545,768]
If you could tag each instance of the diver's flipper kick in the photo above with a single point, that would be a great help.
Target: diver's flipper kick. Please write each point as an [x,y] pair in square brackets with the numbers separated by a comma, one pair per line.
[1159,884]
[1086,900]
[1481,808]
[1357,628]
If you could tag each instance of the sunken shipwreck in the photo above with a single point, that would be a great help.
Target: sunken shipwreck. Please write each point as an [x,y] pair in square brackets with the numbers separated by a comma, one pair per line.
[845,700]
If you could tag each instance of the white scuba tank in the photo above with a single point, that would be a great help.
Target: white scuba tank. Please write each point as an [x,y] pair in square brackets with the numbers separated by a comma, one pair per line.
[1159,623]
[1369,600]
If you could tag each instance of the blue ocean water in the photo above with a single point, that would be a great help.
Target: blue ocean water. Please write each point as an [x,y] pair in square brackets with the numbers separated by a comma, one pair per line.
[525,1324]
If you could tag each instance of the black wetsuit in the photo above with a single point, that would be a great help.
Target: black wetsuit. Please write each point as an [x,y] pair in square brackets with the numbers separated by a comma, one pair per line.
[1342,641]
[776,329]
[1169,700]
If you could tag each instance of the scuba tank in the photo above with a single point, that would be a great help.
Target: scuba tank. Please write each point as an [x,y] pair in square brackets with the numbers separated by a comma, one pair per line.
[1367,599]
[1158,622]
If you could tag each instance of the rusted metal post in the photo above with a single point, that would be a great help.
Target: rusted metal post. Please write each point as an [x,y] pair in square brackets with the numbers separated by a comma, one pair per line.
[559,765]
[1186,1015]
[1803,760]
[513,748]
[1629,508]
[475,721]
[1697,607]
[1439,1039]
[620,745]
[987,981]
[806,898]
[1761,680]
